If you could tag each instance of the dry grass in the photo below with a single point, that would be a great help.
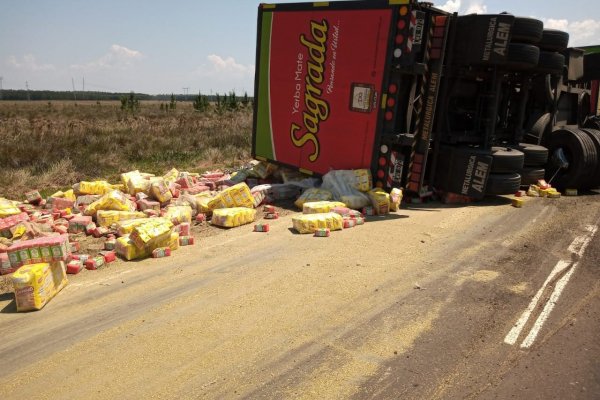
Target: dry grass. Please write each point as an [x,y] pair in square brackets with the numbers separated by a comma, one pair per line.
[49,146]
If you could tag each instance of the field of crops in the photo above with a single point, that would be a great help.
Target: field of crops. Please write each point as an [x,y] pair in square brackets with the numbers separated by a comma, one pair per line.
[51,145]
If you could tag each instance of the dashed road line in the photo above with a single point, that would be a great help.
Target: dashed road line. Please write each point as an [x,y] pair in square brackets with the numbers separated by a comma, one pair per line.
[576,247]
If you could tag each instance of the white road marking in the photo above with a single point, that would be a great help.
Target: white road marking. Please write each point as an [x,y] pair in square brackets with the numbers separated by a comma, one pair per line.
[560,285]
[576,247]
[512,336]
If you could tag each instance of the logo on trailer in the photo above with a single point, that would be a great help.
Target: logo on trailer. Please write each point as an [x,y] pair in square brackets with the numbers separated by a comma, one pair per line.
[316,109]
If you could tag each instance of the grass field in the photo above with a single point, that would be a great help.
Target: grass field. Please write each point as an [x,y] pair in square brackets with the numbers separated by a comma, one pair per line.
[51,145]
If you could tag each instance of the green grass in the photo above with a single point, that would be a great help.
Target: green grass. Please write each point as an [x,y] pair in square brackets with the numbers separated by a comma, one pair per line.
[48,147]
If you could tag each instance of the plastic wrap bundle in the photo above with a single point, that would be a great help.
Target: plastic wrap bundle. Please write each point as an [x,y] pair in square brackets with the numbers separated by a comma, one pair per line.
[109,217]
[235,196]
[380,200]
[232,217]
[126,248]
[310,223]
[93,188]
[8,208]
[314,207]
[179,214]
[395,199]
[151,234]
[126,227]
[313,194]
[342,183]
[159,190]
[36,284]
[113,200]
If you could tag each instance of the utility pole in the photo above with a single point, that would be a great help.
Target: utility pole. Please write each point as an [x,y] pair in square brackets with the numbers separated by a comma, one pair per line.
[185,92]
[73,83]
[83,84]
[27,87]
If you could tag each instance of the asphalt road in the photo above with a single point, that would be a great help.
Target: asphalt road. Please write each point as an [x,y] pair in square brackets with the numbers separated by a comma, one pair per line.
[482,301]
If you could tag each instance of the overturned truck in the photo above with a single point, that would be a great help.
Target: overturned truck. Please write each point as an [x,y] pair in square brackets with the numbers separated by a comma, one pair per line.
[472,105]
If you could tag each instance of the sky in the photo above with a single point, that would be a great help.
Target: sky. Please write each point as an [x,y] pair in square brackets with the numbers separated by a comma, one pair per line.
[165,46]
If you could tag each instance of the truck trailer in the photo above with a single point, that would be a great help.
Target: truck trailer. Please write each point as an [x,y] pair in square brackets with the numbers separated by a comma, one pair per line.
[428,100]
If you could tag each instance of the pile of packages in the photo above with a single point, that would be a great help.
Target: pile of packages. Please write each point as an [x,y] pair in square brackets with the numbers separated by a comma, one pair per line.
[150,216]
[541,189]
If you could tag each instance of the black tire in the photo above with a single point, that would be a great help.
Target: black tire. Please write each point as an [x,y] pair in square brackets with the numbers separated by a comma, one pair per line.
[539,128]
[594,134]
[592,123]
[554,40]
[505,159]
[550,63]
[535,155]
[503,184]
[530,176]
[580,152]
[527,30]
[522,56]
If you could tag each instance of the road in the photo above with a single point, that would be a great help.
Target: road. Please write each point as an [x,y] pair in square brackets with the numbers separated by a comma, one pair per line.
[432,302]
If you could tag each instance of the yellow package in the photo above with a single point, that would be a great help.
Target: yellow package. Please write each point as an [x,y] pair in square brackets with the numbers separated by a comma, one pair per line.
[232,217]
[171,176]
[8,208]
[126,227]
[173,241]
[109,217]
[179,214]
[380,200]
[314,207]
[126,249]
[152,232]
[363,180]
[262,170]
[395,199]
[160,191]
[203,203]
[113,200]
[36,284]
[135,182]
[95,187]
[309,223]
[235,196]
[70,195]
[313,194]
[59,194]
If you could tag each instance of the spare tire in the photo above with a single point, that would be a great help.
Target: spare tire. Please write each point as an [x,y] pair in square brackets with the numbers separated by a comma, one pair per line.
[541,126]
[554,40]
[527,30]
[535,155]
[530,176]
[594,134]
[579,150]
[506,159]
[503,184]
[522,56]
[550,62]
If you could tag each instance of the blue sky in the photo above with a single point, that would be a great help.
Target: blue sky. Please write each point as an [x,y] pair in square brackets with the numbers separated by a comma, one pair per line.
[163,46]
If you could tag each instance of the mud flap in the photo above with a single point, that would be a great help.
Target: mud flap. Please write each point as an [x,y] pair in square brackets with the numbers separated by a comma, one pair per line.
[463,171]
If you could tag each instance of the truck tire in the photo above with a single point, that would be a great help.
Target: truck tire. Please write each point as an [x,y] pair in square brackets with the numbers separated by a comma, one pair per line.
[503,184]
[530,176]
[550,62]
[594,134]
[506,159]
[522,56]
[554,40]
[527,30]
[535,155]
[540,128]
[592,123]
[580,152]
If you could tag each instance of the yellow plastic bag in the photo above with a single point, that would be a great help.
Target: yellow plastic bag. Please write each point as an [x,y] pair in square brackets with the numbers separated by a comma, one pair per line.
[235,196]
[95,187]
[380,200]
[109,217]
[179,214]
[113,200]
[309,223]
[160,191]
[126,227]
[135,182]
[313,194]
[152,232]
[363,180]
[232,217]
[395,199]
[36,284]
[171,176]
[8,208]
[262,170]
[314,207]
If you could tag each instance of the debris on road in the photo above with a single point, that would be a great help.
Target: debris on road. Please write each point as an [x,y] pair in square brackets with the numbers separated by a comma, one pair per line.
[36,284]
